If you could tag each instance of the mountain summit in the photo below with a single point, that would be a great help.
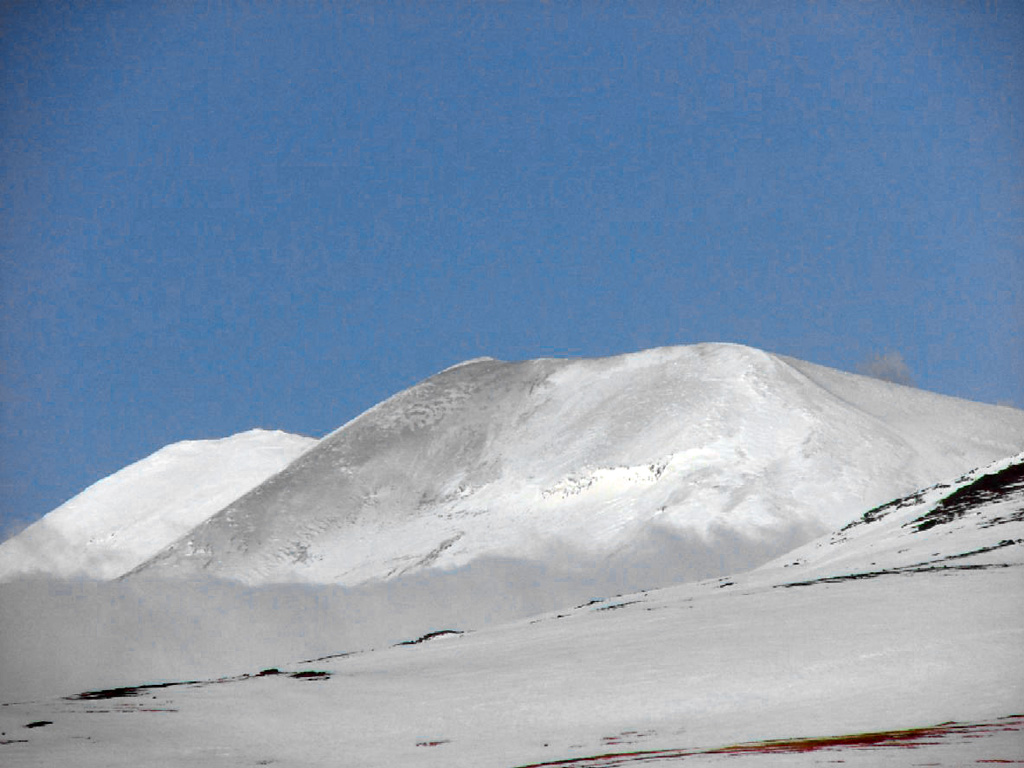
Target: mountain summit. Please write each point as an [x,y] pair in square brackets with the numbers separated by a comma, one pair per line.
[691,461]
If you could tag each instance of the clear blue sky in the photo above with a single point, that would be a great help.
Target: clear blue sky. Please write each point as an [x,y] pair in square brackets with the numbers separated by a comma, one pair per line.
[221,216]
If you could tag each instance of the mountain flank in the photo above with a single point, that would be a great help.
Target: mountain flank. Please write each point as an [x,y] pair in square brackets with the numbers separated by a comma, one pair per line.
[679,462]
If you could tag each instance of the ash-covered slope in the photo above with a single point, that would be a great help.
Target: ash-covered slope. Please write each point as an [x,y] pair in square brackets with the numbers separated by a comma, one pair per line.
[122,520]
[715,457]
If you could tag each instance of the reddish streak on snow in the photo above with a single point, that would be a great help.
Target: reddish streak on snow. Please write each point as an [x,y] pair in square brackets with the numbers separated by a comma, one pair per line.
[907,739]
[910,738]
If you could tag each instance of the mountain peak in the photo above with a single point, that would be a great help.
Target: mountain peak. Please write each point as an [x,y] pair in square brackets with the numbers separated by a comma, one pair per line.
[710,449]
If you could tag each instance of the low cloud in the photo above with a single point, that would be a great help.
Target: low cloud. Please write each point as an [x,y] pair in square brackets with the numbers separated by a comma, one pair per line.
[59,637]
[889,366]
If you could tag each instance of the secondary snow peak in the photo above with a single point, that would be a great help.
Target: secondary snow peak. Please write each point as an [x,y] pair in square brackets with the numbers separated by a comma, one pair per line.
[124,519]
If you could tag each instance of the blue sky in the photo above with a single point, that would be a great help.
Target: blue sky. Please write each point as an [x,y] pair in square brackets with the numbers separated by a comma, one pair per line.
[217,216]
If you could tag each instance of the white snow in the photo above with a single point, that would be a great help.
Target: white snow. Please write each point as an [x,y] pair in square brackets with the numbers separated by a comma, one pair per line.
[123,520]
[471,361]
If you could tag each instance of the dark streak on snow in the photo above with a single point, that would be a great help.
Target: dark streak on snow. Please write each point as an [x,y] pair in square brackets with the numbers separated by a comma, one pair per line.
[330,656]
[983,550]
[430,636]
[310,674]
[121,693]
[626,737]
[616,606]
[877,513]
[1016,516]
[996,486]
[910,738]
[139,690]
[903,571]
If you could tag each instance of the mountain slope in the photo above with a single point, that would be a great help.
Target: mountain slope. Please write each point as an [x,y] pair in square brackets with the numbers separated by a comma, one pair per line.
[126,518]
[724,455]
[862,653]
[974,522]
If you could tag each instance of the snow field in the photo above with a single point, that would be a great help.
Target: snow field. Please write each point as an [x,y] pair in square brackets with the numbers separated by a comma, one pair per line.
[692,667]
[839,637]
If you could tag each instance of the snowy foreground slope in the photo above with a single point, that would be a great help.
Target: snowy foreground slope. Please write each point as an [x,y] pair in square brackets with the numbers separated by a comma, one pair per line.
[892,641]
[126,518]
[668,465]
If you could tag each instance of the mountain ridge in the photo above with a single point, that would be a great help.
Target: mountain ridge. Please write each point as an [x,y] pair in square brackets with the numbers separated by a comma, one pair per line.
[491,457]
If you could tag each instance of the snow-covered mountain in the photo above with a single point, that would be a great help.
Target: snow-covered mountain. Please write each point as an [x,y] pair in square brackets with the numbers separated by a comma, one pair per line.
[723,455]
[123,520]
[893,641]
